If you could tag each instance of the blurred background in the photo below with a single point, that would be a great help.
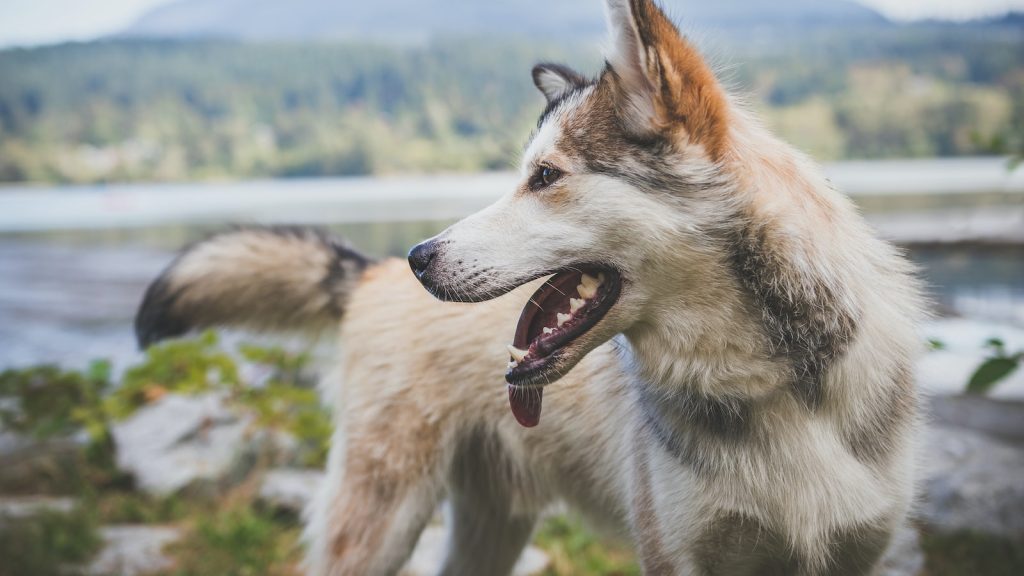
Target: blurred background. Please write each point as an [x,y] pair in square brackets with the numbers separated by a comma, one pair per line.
[129,128]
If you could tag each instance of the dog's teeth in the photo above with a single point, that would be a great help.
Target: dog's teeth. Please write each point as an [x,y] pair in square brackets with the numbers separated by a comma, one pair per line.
[516,353]
[591,282]
[512,364]
[575,304]
[547,330]
[600,278]
[586,290]
[562,318]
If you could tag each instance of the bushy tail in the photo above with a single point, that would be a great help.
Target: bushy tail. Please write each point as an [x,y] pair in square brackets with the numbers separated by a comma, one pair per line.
[274,278]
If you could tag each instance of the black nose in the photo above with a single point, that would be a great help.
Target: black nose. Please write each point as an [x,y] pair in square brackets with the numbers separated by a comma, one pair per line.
[421,256]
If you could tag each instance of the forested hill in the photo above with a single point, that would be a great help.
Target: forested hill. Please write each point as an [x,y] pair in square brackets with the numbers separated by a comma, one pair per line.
[180,110]
[416,20]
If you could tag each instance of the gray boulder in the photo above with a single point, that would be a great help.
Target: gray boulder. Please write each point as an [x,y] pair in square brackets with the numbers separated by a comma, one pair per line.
[19,507]
[179,441]
[290,489]
[973,482]
[1001,419]
[133,550]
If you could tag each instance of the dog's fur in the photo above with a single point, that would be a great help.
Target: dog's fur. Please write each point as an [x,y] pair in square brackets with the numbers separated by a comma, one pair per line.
[746,407]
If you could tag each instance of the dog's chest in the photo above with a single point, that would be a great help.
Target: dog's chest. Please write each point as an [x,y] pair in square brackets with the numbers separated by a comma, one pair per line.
[705,473]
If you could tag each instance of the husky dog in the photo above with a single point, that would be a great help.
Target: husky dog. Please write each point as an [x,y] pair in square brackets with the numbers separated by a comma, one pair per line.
[715,361]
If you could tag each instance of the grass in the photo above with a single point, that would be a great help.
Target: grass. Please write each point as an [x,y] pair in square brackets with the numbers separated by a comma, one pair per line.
[575,551]
[240,541]
[968,553]
[47,543]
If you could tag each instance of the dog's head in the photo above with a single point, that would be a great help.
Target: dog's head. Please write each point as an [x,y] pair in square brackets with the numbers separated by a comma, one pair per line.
[620,183]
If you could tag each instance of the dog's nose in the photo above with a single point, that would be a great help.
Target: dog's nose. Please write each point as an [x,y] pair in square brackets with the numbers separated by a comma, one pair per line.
[421,256]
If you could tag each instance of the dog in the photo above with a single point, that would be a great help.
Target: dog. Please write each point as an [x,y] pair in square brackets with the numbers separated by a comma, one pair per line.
[673,324]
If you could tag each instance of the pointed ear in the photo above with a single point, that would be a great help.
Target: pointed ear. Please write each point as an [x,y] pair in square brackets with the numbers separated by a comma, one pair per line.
[555,80]
[661,80]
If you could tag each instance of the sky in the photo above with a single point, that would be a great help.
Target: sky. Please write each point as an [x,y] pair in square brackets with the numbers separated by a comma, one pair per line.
[30,22]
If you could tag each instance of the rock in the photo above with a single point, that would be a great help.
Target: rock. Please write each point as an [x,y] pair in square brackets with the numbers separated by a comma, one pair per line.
[429,555]
[905,556]
[973,482]
[290,489]
[179,441]
[18,507]
[131,550]
[1003,419]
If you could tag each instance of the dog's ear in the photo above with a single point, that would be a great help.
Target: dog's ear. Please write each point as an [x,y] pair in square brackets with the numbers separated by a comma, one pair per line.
[661,80]
[555,80]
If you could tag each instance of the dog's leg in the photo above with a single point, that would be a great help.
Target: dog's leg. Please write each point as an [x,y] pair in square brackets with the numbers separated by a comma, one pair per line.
[380,493]
[483,540]
[490,518]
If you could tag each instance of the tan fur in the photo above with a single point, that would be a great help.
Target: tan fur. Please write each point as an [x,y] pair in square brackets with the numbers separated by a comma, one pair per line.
[417,375]
[257,278]
[688,93]
[683,91]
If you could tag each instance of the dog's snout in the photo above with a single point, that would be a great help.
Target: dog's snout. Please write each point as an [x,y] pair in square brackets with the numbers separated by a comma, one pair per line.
[421,256]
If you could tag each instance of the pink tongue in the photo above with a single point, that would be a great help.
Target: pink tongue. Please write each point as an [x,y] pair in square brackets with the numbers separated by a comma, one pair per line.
[525,403]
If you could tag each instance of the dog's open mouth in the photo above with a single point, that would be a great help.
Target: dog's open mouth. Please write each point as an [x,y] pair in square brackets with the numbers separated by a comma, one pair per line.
[568,305]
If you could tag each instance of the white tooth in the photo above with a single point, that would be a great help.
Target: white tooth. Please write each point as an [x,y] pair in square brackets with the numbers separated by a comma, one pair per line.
[562,318]
[587,291]
[547,330]
[575,304]
[588,280]
[600,278]
[516,353]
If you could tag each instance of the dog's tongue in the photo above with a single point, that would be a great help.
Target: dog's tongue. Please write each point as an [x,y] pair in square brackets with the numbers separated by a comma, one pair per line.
[525,403]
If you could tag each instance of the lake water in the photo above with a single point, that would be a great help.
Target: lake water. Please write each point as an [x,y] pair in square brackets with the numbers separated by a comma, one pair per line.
[74,262]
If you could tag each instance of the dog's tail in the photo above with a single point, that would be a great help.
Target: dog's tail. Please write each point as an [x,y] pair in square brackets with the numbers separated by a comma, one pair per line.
[274,278]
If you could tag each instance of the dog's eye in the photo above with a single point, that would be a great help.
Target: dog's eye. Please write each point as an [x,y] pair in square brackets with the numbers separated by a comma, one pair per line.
[544,176]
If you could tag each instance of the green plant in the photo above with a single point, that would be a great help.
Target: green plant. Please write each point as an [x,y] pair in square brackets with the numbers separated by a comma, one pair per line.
[965,552]
[239,541]
[288,401]
[189,366]
[46,543]
[576,551]
[998,366]
[45,401]
[285,401]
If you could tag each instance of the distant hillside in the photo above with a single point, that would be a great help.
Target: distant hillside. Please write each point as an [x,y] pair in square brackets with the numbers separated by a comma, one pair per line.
[416,20]
[159,110]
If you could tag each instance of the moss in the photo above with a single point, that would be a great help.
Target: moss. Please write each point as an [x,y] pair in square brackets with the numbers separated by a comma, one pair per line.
[967,553]
[574,551]
[126,507]
[239,541]
[42,401]
[47,543]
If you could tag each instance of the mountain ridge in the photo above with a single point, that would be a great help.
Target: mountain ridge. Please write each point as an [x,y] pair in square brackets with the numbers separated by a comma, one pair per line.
[416,20]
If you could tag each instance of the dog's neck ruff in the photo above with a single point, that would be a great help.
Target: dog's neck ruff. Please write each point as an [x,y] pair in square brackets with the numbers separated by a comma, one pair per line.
[691,426]
[686,423]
